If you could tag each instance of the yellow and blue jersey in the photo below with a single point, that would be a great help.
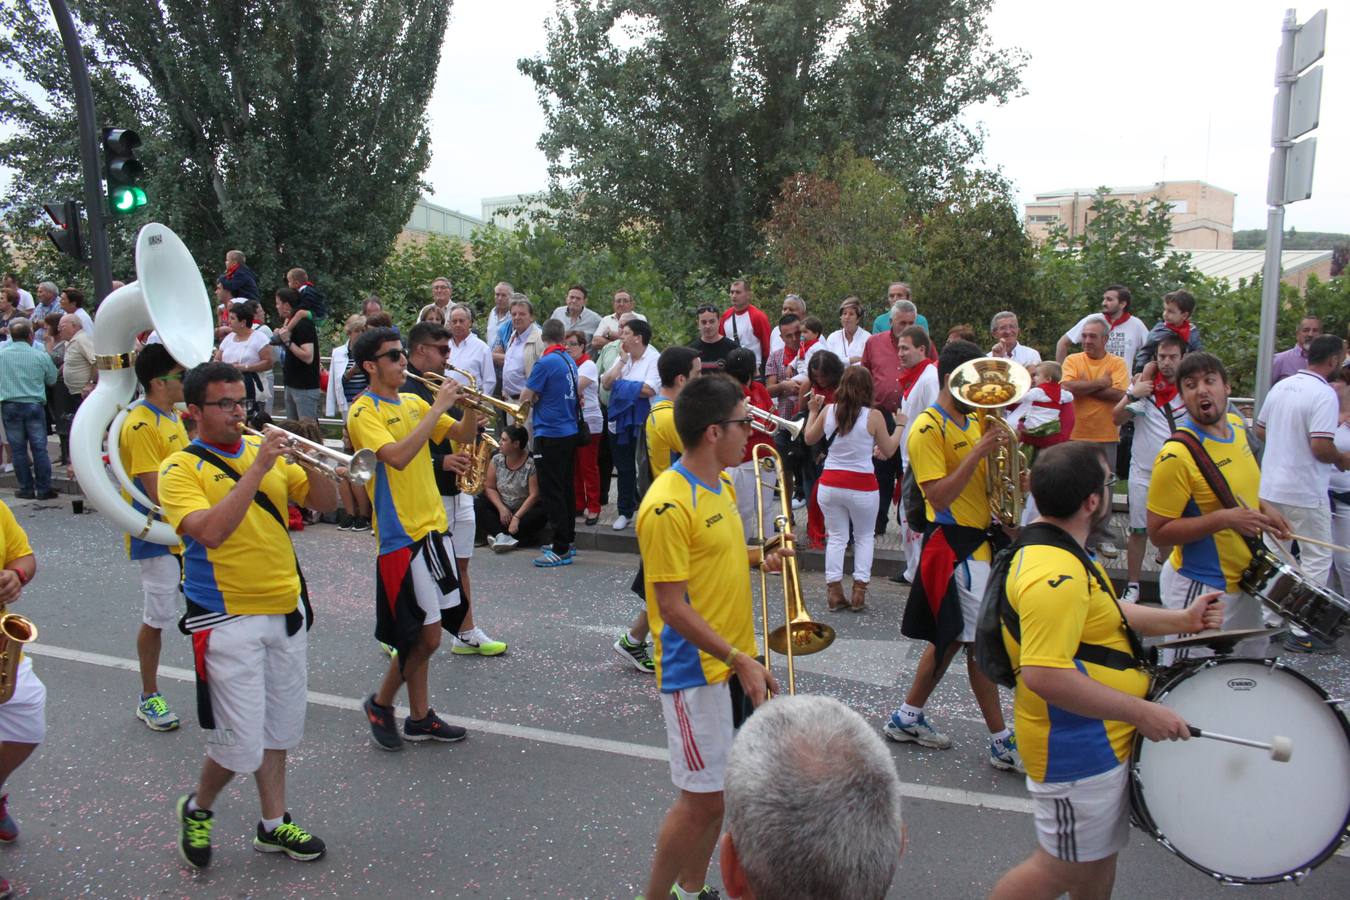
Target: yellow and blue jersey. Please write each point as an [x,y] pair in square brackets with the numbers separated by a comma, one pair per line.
[663,441]
[251,572]
[1179,490]
[406,503]
[1060,606]
[937,444]
[148,437]
[691,531]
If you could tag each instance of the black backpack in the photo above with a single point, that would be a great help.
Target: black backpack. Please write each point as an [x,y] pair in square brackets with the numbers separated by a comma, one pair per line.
[911,496]
[996,612]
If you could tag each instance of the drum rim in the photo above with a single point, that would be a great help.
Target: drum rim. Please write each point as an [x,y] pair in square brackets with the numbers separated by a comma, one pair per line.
[1139,808]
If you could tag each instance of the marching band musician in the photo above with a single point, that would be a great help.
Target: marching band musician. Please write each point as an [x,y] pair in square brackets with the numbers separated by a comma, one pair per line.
[247,607]
[417,583]
[747,476]
[150,433]
[23,720]
[428,350]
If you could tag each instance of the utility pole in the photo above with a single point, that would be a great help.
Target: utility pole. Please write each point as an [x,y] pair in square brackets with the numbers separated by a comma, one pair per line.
[1297,101]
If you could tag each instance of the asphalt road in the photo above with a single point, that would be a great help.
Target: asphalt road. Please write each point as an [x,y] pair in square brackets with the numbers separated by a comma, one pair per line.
[558,791]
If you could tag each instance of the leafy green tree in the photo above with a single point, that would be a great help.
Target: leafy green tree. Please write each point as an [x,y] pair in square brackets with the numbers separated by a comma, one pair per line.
[403,282]
[682,118]
[293,130]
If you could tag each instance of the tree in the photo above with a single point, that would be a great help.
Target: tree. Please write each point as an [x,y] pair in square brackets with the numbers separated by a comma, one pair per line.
[682,118]
[293,130]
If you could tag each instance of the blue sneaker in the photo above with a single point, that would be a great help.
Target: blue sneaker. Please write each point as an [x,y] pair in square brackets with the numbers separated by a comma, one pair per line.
[550,560]
[1003,755]
[920,732]
[155,713]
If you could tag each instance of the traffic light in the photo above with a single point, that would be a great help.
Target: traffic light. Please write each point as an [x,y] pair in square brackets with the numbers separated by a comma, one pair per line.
[123,170]
[66,234]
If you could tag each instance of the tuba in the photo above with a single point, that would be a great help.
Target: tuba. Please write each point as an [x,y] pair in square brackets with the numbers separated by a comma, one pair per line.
[169,296]
[988,385]
[15,631]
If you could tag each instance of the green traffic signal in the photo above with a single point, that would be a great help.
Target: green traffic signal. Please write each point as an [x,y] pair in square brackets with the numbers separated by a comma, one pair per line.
[128,199]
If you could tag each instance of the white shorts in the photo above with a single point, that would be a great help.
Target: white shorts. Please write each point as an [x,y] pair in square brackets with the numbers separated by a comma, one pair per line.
[258,676]
[23,720]
[699,734]
[1084,820]
[430,597]
[971,577]
[1138,494]
[160,576]
[459,513]
[1240,610]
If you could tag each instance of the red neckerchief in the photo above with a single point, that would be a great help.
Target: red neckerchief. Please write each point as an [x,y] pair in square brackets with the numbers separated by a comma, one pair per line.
[553,348]
[230,270]
[910,377]
[1182,331]
[1053,390]
[1163,393]
[805,345]
[231,451]
[1123,316]
[789,356]
[308,284]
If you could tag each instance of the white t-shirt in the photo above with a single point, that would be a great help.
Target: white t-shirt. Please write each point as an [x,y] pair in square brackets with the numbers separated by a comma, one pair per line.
[741,329]
[26,303]
[845,349]
[923,395]
[243,353]
[1124,340]
[1340,481]
[590,395]
[1024,356]
[1298,408]
[642,369]
[1151,431]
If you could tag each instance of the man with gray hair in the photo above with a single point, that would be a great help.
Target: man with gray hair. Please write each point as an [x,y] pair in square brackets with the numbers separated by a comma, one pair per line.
[520,349]
[25,374]
[441,293]
[1097,379]
[895,292]
[838,832]
[47,294]
[793,305]
[1005,331]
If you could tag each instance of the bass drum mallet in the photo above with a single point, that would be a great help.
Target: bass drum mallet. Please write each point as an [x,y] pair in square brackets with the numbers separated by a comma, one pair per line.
[1281,748]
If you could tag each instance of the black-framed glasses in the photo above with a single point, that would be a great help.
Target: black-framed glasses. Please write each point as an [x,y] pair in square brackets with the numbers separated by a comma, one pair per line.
[744,423]
[1110,482]
[227,404]
[394,355]
[442,349]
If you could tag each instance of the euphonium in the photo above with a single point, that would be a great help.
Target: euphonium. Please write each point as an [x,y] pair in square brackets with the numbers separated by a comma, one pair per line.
[15,631]
[988,385]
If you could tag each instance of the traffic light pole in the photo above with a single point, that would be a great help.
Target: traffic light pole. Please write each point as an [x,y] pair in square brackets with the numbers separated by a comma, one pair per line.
[99,263]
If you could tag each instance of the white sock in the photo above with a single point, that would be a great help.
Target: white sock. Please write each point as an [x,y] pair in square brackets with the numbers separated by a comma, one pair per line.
[910,714]
[270,825]
[1001,735]
[192,806]
[682,894]
[634,639]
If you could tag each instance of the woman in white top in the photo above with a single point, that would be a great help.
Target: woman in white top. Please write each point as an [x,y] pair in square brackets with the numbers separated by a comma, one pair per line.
[248,351]
[341,392]
[586,463]
[847,343]
[847,490]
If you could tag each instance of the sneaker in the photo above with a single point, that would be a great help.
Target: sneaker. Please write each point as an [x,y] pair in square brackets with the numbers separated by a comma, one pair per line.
[635,653]
[593,520]
[346,522]
[477,642]
[194,834]
[389,649]
[5,891]
[1131,594]
[571,552]
[1003,755]
[9,829]
[291,839]
[1306,643]
[155,713]
[432,728]
[708,893]
[383,726]
[798,502]
[504,543]
[25,495]
[549,560]
[1108,549]
[620,523]
[363,524]
[920,732]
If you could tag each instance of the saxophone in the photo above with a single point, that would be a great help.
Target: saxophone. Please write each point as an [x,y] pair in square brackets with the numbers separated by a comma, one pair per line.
[15,631]
[474,479]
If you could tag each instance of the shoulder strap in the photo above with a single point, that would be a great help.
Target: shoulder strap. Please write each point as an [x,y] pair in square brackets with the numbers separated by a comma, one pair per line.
[1210,472]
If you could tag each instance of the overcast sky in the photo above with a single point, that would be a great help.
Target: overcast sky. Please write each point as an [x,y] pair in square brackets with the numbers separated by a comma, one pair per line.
[1116,93]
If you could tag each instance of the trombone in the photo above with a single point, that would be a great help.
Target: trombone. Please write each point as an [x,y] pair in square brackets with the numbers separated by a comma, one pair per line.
[356,469]
[472,398]
[799,634]
[766,422]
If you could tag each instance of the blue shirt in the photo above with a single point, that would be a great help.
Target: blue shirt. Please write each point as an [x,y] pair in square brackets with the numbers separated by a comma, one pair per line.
[883,322]
[25,373]
[554,380]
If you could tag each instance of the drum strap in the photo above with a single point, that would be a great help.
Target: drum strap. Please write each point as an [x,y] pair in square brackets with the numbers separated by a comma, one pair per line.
[1213,477]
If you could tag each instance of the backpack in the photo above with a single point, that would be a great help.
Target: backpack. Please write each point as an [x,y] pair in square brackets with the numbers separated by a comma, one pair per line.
[911,496]
[996,613]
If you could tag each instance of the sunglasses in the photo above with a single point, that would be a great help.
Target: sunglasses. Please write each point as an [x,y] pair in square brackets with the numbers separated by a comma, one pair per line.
[172,376]
[744,423]
[395,355]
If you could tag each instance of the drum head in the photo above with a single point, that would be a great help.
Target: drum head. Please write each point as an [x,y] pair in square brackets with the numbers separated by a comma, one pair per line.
[1232,811]
[1220,639]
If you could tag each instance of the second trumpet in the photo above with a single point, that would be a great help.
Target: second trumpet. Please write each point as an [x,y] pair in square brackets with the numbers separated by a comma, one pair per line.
[356,469]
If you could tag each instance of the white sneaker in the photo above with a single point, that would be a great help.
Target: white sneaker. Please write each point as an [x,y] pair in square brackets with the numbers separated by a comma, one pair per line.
[1131,594]
[798,502]
[1108,549]
[7,468]
[620,523]
[504,542]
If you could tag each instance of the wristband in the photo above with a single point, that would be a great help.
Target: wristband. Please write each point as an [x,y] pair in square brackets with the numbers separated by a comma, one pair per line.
[731,657]
[23,579]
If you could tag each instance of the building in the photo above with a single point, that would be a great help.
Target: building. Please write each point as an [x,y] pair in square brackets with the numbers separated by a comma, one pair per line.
[510,210]
[1202,214]
[1233,266]
[430,218]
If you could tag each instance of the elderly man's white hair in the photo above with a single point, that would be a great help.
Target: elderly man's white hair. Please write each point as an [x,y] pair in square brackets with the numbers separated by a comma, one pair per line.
[813,802]
[1098,319]
[999,317]
[900,306]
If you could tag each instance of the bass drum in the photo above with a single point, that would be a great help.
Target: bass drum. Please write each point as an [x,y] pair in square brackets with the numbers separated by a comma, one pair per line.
[1233,812]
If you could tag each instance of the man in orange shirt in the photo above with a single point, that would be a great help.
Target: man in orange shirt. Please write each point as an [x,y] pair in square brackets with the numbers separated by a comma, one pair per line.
[1098,380]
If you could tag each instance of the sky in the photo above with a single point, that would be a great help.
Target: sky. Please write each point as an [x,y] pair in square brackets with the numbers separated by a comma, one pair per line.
[1114,93]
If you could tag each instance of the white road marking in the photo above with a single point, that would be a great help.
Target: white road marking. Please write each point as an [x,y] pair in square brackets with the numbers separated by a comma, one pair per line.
[958,796]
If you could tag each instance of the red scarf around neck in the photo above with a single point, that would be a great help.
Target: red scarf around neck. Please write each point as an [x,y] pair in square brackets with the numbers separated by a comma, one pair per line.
[910,377]
[1118,322]
[1163,393]
[555,348]
[1053,390]
[1182,331]
[790,355]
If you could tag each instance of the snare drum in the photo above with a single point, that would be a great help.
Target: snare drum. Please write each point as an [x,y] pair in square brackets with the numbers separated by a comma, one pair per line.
[1289,592]
[1222,807]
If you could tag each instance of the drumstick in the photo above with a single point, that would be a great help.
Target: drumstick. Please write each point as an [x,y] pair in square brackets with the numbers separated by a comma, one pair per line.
[1281,748]
[1307,540]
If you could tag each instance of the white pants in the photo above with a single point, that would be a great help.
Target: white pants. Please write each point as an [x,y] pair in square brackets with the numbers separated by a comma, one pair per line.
[23,720]
[1340,534]
[1240,610]
[1315,522]
[258,675]
[746,480]
[842,506]
[159,583]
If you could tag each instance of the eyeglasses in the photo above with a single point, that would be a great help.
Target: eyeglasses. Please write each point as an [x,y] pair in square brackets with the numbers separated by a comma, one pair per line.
[442,349]
[227,404]
[744,423]
[172,376]
[395,355]
[1109,483]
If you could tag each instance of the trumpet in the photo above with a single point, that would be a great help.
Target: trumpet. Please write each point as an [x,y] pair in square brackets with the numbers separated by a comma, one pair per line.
[799,634]
[472,398]
[356,469]
[988,385]
[766,422]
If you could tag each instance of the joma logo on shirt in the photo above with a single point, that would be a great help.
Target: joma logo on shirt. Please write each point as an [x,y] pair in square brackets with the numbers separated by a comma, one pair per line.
[713,521]
[1166,456]
[139,425]
[663,507]
[219,476]
[393,421]
[959,444]
[1056,582]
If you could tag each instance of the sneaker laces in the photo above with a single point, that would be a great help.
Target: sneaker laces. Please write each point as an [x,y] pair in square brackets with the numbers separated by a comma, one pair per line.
[198,830]
[291,832]
[156,704]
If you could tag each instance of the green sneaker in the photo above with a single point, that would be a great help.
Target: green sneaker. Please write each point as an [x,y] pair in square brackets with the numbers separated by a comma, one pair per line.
[637,655]
[194,834]
[291,839]
[155,713]
[476,641]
